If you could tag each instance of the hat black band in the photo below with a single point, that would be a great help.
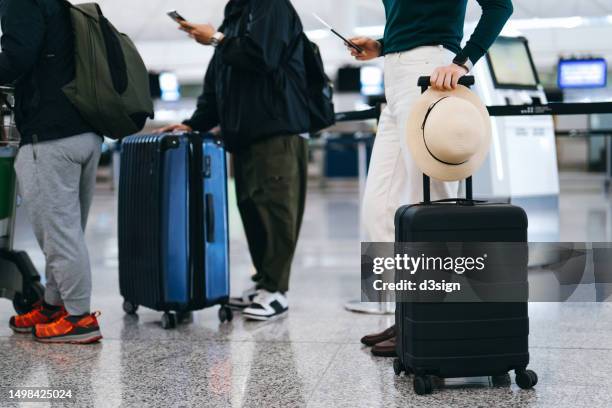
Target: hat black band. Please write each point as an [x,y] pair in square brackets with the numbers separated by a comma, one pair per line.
[425,140]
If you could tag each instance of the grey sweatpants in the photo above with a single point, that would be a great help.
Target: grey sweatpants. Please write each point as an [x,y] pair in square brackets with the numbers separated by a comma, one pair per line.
[57,181]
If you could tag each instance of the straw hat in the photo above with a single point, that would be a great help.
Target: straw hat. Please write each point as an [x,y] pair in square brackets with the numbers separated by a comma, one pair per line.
[449,133]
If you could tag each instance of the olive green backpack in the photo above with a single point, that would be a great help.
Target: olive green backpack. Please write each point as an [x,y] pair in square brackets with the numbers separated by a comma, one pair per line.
[111,88]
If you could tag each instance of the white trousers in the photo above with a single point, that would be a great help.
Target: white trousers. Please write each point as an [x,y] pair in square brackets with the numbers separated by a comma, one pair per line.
[394,178]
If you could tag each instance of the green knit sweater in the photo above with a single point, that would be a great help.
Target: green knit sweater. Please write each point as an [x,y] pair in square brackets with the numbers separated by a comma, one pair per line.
[415,23]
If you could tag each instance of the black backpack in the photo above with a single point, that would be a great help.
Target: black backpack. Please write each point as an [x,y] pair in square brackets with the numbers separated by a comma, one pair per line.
[320,88]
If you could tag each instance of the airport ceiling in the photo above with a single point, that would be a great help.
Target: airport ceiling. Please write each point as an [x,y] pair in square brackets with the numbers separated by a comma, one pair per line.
[145,20]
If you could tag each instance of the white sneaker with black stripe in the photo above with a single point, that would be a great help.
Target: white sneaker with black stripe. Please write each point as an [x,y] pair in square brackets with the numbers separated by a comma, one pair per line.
[266,306]
[244,301]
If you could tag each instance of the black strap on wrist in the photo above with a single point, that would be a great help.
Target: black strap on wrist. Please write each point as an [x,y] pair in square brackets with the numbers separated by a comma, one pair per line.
[467,70]
[461,60]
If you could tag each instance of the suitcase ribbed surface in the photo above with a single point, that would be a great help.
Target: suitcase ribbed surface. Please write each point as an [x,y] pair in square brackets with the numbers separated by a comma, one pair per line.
[140,272]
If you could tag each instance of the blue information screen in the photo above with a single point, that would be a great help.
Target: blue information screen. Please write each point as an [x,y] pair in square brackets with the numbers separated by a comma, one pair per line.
[585,73]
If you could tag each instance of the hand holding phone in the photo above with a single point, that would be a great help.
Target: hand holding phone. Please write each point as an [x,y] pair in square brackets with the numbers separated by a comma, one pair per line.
[174,15]
[182,21]
[371,48]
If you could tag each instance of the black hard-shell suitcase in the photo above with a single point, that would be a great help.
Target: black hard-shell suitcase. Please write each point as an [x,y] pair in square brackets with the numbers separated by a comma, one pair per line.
[462,339]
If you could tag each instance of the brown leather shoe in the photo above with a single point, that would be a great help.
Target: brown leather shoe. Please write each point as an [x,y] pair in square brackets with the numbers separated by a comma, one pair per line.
[372,339]
[385,349]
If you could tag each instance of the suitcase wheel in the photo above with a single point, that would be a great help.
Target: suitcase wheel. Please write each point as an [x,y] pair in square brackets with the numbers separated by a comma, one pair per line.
[526,379]
[129,307]
[184,317]
[423,385]
[501,380]
[168,321]
[24,302]
[398,367]
[225,314]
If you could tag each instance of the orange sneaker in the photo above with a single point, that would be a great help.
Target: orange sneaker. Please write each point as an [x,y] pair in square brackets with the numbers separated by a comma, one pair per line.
[39,315]
[65,330]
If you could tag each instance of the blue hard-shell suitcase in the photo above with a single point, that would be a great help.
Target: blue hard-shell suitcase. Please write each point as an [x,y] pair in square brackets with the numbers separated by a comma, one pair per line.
[173,225]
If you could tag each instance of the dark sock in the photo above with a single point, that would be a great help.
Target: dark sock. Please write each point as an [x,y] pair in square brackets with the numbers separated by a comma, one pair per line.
[75,319]
[50,308]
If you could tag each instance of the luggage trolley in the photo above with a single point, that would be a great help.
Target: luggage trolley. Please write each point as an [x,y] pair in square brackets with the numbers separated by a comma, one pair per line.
[19,280]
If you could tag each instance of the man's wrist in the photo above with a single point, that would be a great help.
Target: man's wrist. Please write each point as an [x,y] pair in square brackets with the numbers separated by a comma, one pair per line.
[188,123]
[216,39]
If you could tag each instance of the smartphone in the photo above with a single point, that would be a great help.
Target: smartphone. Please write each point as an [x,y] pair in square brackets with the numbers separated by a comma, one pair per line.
[173,14]
[348,42]
[337,34]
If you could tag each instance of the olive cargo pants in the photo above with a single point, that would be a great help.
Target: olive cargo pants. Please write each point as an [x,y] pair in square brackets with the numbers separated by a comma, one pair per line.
[271,178]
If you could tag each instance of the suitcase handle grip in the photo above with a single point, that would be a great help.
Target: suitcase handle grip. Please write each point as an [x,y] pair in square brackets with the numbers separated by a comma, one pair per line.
[460,201]
[425,82]
[210,218]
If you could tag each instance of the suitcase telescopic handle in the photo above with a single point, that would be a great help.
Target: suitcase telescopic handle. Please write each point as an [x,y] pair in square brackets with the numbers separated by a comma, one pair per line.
[469,194]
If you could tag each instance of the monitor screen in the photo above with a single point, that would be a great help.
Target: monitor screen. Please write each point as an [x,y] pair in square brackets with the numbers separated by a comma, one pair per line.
[164,86]
[154,85]
[349,79]
[170,88]
[372,81]
[511,64]
[583,73]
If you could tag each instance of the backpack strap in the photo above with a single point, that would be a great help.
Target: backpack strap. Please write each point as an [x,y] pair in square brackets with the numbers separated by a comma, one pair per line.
[91,10]
[302,37]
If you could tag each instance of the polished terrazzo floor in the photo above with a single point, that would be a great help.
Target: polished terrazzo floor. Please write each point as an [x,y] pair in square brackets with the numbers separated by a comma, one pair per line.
[311,358]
